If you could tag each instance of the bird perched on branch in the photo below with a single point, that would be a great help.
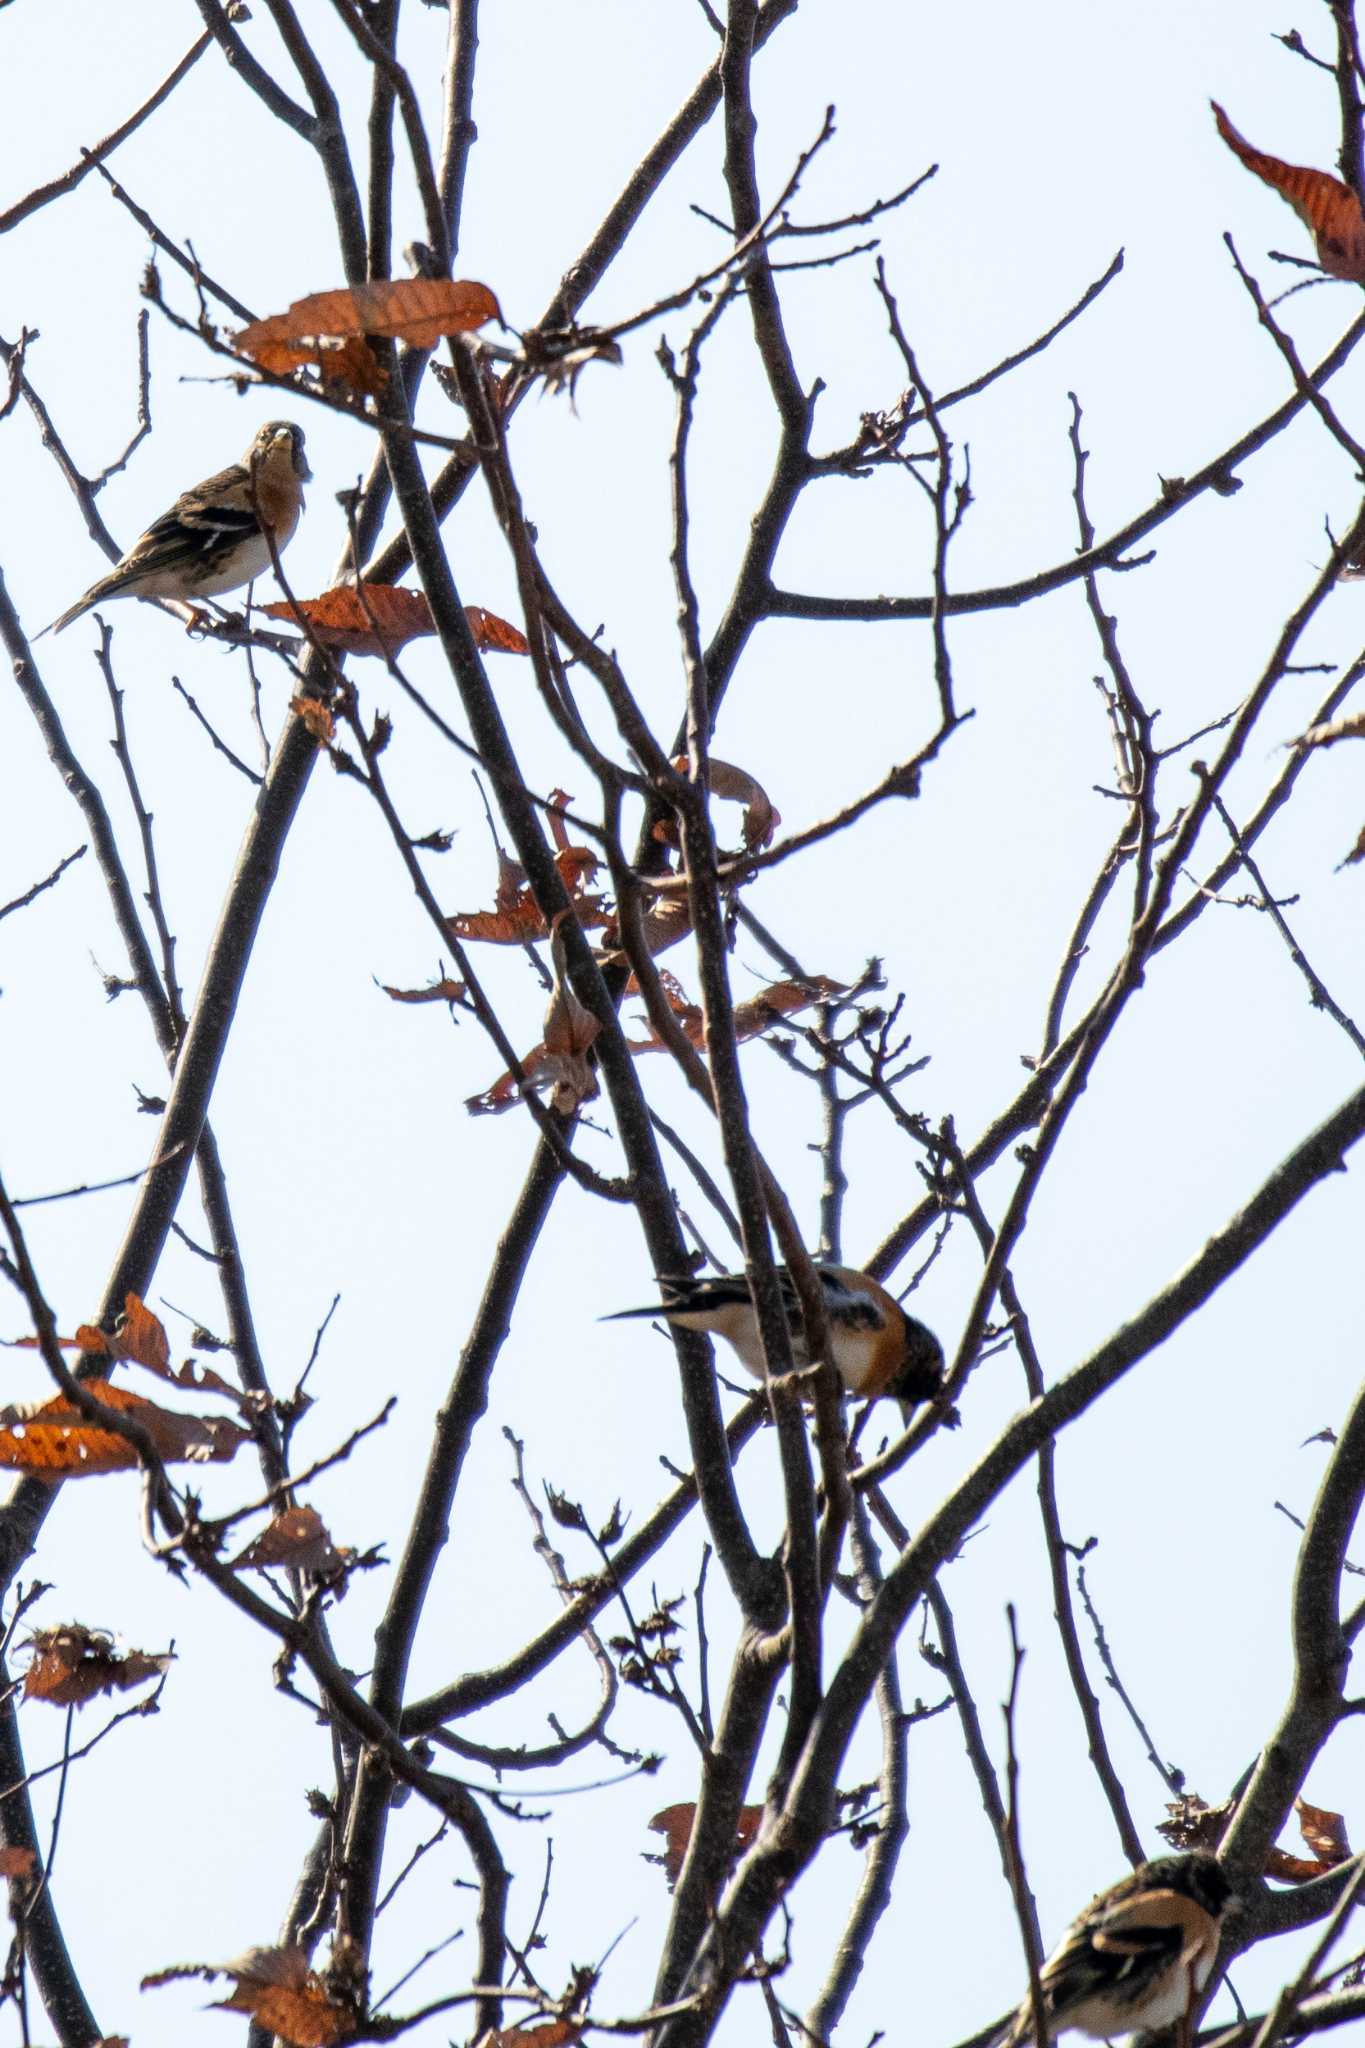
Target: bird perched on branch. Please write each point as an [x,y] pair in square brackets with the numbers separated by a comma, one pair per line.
[1137,1957]
[214,536]
[876,1347]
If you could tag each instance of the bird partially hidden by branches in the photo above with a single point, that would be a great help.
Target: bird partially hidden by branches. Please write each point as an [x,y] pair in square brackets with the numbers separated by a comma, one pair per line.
[1136,1958]
[876,1347]
[214,537]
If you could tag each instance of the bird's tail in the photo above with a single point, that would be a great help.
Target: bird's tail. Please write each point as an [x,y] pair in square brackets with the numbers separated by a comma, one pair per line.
[108,586]
[677,1290]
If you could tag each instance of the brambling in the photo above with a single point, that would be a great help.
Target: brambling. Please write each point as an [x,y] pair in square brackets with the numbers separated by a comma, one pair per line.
[1137,1956]
[212,539]
[877,1348]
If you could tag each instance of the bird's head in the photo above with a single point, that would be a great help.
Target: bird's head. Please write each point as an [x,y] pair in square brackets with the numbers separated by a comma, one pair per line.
[1198,1875]
[279,441]
[921,1373]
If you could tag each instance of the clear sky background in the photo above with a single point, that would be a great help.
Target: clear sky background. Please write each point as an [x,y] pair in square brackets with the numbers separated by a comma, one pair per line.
[1061,132]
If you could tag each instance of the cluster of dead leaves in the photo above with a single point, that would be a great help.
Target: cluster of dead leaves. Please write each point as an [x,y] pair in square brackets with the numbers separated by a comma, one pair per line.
[55,1439]
[1330,210]
[1193,1825]
[778,1000]
[516,917]
[330,332]
[70,1665]
[380,618]
[280,1990]
[675,1824]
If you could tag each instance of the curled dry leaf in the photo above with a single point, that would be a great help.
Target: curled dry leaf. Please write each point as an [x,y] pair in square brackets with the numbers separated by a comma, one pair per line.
[443,991]
[1328,209]
[726,780]
[296,1537]
[760,819]
[71,1665]
[1324,1833]
[666,920]
[561,354]
[570,1029]
[1194,1825]
[778,1000]
[277,1988]
[542,2034]
[53,1439]
[138,1336]
[140,1339]
[675,1824]
[418,310]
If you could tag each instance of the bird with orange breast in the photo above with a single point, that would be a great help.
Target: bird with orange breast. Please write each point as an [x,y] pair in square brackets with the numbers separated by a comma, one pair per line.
[875,1347]
[214,538]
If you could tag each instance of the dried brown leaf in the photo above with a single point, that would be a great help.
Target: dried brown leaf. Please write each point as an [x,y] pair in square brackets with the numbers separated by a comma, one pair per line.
[296,1537]
[675,1824]
[53,1440]
[443,991]
[71,1665]
[1324,1833]
[1329,209]
[418,310]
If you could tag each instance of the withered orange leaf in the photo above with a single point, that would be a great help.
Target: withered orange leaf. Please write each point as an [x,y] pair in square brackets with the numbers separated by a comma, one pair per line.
[494,635]
[384,617]
[296,1537]
[277,1987]
[543,2034]
[71,1665]
[418,310]
[675,1824]
[138,1336]
[18,1863]
[443,991]
[53,1440]
[1329,210]
[381,621]
[317,716]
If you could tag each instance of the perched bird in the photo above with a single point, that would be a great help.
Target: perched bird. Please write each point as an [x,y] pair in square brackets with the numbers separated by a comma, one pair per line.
[877,1348]
[212,538]
[1137,1955]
